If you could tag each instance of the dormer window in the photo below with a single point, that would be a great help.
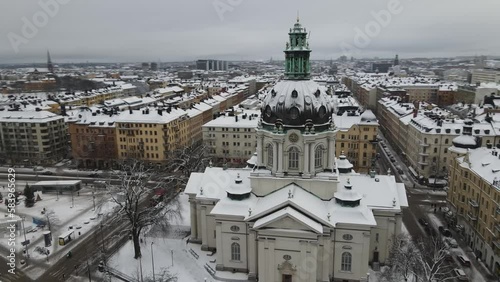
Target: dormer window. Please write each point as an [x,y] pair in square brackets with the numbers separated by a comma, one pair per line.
[295,94]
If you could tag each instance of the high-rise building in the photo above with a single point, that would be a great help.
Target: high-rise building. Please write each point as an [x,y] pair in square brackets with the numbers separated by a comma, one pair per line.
[212,65]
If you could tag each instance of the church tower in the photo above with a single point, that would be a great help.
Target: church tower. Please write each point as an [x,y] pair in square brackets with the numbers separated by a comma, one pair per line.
[296,135]
[297,52]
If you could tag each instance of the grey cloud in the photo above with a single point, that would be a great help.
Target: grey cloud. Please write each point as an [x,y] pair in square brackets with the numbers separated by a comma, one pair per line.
[126,30]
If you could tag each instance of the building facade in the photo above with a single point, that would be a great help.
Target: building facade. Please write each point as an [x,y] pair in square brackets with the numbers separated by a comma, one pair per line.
[473,197]
[230,138]
[33,138]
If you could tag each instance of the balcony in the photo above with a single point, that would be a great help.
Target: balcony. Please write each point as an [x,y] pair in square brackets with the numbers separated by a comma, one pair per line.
[424,145]
[471,216]
[473,203]
[423,163]
[423,154]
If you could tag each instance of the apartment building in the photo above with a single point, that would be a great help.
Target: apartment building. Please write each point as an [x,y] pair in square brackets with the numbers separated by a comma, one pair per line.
[93,140]
[32,137]
[485,75]
[151,135]
[230,138]
[422,134]
[357,138]
[474,197]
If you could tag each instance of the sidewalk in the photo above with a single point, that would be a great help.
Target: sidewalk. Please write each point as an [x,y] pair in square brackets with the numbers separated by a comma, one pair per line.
[478,264]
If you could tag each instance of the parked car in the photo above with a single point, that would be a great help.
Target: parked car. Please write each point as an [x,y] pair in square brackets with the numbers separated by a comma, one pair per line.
[94,175]
[47,172]
[38,168]
[399,169]
[448,257]
[452,242]
[423,221]
[463,260]
[445,232]
[460,274]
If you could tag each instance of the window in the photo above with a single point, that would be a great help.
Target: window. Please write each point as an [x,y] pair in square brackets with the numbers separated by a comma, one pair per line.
[293,158]
[270,155]
[346,262]
[235,251]
[318,156]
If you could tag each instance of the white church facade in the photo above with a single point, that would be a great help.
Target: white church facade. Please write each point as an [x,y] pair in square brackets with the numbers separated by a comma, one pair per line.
[300,213]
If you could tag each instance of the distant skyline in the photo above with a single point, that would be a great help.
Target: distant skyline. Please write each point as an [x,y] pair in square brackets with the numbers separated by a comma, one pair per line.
[151,31]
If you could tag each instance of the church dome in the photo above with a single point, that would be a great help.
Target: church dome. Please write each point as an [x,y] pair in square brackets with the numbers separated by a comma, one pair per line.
[238,190]
[296,102]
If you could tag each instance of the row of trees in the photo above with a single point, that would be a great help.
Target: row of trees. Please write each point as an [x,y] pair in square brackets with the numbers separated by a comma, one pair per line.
[420,260]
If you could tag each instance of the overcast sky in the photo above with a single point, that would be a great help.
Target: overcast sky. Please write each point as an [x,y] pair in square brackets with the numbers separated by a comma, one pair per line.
[179,30]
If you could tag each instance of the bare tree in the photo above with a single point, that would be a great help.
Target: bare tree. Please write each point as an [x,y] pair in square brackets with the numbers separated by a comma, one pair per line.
[431,263]
[137,185]
[185,161]
[402,259]
[420,260]
[52,218]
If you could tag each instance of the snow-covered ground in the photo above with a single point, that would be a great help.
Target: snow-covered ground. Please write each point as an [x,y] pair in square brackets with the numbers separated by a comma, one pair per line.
[185,265]
[78,214]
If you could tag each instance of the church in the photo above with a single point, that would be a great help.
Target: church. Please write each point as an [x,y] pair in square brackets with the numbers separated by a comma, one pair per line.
[300,213]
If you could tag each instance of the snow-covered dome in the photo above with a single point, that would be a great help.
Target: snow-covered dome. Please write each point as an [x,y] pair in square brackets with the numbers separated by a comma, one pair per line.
[238,190]
[253,160]
[368,117]
[343,164]
[466,141]
[295,102]
[347,196]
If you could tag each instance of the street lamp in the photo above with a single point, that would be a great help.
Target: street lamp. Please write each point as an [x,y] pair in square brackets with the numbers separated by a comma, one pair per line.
[153,261]
[25,240]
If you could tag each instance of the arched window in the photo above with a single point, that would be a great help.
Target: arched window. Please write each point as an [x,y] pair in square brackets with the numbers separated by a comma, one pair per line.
[293,158]
[235,252]
[270,155]
[318,156]
[346,262]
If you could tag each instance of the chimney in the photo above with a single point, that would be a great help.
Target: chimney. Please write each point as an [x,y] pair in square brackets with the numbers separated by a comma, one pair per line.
[160,112]
[236,118]
[130,109]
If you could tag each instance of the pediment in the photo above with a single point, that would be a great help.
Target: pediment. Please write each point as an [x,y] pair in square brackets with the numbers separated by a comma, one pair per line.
[288,218]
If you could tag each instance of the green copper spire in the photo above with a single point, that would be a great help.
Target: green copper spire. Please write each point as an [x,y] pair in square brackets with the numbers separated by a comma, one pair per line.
[297,54]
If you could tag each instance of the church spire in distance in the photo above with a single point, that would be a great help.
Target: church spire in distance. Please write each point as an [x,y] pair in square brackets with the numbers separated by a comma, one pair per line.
[297,53]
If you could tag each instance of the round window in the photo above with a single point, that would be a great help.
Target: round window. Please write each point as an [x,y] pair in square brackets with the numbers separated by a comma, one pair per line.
[235,228]
[347,237]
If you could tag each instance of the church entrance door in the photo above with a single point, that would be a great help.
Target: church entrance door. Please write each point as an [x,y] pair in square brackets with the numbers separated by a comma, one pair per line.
[287,278]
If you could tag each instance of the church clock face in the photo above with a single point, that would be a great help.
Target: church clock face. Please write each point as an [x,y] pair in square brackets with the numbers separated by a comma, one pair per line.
[293,138]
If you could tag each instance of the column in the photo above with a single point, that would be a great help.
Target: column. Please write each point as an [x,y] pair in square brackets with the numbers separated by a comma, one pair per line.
[220,247]
[275,157]
[331,153]
[312,167]
[306,160]
[280,157]
[260,155]
[204,235]
[252,256]
[194,223]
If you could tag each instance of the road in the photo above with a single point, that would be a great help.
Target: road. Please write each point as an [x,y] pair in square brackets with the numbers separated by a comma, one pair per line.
[5,276]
